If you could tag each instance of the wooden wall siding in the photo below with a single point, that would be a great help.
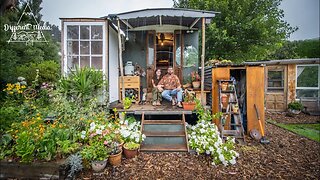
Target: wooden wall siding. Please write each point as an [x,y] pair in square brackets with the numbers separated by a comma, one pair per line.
[291,83]
[255,95]
[218,74]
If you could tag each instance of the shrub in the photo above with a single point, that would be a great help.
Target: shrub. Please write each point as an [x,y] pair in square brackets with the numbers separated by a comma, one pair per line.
[8,115]
[49,71]
[295,105]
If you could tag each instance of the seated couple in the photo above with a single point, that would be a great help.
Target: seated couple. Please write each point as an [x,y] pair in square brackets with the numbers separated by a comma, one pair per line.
[167,87]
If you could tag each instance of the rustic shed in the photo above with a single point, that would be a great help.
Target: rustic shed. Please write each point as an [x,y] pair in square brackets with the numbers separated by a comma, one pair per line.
[292,80]
[249,84]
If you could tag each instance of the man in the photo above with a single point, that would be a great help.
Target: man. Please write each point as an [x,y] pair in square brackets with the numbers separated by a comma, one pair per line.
[172,87]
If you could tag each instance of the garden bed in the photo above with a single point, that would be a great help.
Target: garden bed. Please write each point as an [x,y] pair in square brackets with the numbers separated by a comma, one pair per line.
[288,156]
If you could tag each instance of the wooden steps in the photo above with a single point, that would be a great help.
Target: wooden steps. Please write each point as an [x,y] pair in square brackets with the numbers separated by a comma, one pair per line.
[164,148]
[164,135]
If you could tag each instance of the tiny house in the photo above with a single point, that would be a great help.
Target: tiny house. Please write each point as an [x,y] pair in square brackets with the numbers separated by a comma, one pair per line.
[148,39]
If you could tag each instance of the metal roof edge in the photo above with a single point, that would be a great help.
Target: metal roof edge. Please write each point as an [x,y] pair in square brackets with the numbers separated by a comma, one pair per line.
[287,61]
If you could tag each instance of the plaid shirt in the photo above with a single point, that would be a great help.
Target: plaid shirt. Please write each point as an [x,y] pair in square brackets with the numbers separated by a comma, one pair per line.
[170,82]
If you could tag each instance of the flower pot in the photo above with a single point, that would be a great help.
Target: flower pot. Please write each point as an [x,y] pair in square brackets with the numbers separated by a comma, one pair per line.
[115,160]
[196,84]
[98,166]
[190,106]
[130,153]
[224,86]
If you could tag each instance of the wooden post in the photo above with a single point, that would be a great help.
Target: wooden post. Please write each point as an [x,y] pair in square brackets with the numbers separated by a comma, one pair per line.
[120,60]
[202,59]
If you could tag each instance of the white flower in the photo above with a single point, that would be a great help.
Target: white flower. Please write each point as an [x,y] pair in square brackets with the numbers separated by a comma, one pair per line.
[125,133]
[202,131]
[232,161]
[207,152]
[98,131]
[83,134]
[211,149]
[221,158]
[92,126]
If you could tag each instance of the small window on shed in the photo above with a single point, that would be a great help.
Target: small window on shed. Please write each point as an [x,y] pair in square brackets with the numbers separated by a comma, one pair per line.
[275,80]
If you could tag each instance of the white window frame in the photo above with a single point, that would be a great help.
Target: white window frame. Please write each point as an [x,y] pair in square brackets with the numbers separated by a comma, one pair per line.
[77,23]
[308,88]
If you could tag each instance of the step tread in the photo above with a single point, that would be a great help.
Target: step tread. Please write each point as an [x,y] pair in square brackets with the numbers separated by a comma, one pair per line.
[164,134]
[162,122]
[164,147]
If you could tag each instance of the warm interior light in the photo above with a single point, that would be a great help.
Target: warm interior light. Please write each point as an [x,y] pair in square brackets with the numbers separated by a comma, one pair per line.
[161,43]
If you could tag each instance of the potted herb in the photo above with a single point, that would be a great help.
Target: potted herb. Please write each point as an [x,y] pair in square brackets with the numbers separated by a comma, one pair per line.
[195,79]
[96,154]
[130,149]
[189,100]
[115,154]
[295,108]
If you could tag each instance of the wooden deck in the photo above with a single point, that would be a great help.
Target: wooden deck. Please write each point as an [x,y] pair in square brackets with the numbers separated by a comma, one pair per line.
[166,109]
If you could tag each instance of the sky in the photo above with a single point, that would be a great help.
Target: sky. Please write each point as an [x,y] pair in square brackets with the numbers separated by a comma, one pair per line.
[303,14]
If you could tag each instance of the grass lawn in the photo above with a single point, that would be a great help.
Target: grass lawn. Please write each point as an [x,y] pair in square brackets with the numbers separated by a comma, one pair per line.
[311,131]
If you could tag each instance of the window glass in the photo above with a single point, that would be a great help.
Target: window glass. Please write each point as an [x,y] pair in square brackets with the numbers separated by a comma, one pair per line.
[84,46]
[307,76]
[96,47]
[72,32]
[84,32]
[96,32]
[275,80]
[84,61]
[96,62]
[307,93]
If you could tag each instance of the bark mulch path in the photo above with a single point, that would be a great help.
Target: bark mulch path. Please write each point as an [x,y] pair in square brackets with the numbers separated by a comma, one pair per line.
[288,156]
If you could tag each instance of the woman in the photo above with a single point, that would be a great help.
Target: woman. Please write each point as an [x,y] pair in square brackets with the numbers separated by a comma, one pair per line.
[156,91]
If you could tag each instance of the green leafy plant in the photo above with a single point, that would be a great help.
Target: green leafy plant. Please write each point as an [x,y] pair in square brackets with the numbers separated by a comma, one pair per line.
[189,96]
[95,152]
[295,105]
[131,145]
[127,102]
[205,114]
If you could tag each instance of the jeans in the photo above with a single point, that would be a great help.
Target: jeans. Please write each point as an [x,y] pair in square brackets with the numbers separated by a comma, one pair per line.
[167,94]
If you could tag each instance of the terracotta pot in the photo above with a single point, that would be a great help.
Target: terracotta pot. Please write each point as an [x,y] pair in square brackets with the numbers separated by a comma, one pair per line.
[196,84]
[98,166]
[224,86]
[115,160]
[190,106]
[130,153]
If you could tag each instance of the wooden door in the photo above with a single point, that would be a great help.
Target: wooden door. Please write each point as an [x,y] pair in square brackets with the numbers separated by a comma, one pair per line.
[150,57]
[276,94]
[220,73]
[178,58]
[255,95]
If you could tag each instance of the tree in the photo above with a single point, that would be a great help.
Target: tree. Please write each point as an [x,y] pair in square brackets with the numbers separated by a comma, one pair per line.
[244,29]
[309,48]
[14,55]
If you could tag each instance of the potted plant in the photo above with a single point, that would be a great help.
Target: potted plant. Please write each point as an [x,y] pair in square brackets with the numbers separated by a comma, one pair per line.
[235,108]
[195,79]
[130,149]
[295,107]
[189,100]
[115,154]
[96,154]
[224,86]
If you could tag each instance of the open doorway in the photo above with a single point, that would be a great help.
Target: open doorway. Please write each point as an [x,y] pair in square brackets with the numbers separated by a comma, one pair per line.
[164,50]
[239,75]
